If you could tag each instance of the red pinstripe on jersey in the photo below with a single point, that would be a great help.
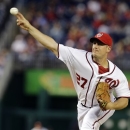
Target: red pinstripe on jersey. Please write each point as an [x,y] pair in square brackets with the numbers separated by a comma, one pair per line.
[100,118]
[90,79]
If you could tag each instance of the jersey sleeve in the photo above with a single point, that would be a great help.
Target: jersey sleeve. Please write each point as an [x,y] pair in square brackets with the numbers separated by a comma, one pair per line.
[123,89]
[65,54]
[68,54]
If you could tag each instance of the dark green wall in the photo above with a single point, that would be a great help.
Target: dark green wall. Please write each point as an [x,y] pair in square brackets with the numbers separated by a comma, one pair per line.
[20,111]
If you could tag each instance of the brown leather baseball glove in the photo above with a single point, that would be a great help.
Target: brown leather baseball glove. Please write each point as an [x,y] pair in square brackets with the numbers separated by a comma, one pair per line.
[102,94]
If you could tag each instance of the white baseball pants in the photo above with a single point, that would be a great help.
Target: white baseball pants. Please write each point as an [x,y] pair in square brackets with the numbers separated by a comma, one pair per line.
[92,118]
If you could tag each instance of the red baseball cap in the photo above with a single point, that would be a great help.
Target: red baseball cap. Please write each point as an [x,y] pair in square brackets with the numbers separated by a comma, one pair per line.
[103,37]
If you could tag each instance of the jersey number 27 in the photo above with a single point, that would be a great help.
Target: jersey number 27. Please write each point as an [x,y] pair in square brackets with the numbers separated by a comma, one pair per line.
[81,80]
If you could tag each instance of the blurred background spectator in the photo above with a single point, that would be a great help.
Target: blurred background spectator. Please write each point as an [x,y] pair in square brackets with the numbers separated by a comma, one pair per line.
[38,126]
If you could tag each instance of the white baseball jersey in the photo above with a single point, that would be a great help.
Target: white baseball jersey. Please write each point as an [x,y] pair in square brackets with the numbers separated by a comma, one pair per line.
[85,76]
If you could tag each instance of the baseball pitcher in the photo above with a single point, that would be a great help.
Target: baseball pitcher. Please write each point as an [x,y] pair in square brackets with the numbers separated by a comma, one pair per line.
[93,75]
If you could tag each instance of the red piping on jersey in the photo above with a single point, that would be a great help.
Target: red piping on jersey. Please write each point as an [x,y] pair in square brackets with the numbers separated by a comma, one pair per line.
[122,97]
[100,119]
[90,79]
[99,81]
[113,70]
[58,50]
[95,91]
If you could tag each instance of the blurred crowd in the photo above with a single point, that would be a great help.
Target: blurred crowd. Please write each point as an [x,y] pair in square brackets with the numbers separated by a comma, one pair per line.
[73,23]
[4,15]
[3,61]
[4,7]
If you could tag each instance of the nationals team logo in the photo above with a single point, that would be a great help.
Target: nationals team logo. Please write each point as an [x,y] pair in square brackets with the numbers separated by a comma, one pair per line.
[112,83]
[99,34]
[81,81]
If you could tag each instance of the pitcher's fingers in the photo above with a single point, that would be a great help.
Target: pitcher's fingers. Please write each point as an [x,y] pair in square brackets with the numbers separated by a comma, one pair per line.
[20,16]
[19,22]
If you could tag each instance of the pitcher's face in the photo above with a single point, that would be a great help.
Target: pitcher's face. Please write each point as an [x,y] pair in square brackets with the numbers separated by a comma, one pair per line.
[99,49]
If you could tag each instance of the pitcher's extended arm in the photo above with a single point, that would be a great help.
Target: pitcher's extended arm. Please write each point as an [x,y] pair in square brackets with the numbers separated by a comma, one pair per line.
[45,40]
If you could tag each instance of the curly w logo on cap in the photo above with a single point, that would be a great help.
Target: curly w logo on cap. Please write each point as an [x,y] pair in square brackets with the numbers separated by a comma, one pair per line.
[99,35]
[103,37]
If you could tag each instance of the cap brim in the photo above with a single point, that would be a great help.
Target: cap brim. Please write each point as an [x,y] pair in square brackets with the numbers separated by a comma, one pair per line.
[94,38]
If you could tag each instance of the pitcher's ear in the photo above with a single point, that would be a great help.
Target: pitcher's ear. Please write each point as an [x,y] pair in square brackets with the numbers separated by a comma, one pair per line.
[109,48]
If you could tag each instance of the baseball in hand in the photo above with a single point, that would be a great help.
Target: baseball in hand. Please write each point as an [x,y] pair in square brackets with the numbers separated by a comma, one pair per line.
[13,11]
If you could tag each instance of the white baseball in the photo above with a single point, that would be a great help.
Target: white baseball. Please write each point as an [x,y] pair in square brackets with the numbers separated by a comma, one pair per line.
[13,11]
